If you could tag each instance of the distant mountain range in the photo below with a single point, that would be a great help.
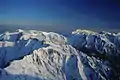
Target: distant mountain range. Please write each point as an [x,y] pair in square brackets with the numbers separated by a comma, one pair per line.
[38,55]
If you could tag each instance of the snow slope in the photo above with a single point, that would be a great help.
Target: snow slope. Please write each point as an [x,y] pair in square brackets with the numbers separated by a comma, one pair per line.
[37,55]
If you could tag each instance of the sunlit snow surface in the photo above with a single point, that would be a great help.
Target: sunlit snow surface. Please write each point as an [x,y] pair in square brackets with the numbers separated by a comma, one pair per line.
[37,55]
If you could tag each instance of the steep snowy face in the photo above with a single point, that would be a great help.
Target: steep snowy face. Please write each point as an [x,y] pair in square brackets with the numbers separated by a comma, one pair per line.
[57,62]
[114,38]
[103,42]
[37,55]
[103,45]
[20,43]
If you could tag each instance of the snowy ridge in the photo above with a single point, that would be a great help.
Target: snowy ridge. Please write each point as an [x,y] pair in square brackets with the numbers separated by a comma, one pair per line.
[103,43]
[37,55]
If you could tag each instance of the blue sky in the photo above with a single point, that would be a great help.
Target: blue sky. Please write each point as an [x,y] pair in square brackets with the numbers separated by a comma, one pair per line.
[60,15]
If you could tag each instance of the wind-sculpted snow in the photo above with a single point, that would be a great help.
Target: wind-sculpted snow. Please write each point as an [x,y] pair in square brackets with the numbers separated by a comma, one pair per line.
[37,55]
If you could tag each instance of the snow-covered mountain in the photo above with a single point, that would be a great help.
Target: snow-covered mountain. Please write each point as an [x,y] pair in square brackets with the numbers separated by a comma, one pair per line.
[38,55]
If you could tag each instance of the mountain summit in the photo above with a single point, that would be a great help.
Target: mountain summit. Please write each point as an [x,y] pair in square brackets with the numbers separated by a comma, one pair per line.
[38,55]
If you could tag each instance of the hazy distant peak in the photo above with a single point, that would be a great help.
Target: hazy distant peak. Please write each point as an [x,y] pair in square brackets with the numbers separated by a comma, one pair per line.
[79,31]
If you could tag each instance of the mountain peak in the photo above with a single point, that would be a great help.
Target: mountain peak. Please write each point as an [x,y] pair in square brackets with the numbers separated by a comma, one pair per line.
[38,55]
[80,31]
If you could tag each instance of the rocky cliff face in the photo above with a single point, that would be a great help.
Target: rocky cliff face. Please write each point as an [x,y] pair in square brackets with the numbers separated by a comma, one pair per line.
[37,55]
